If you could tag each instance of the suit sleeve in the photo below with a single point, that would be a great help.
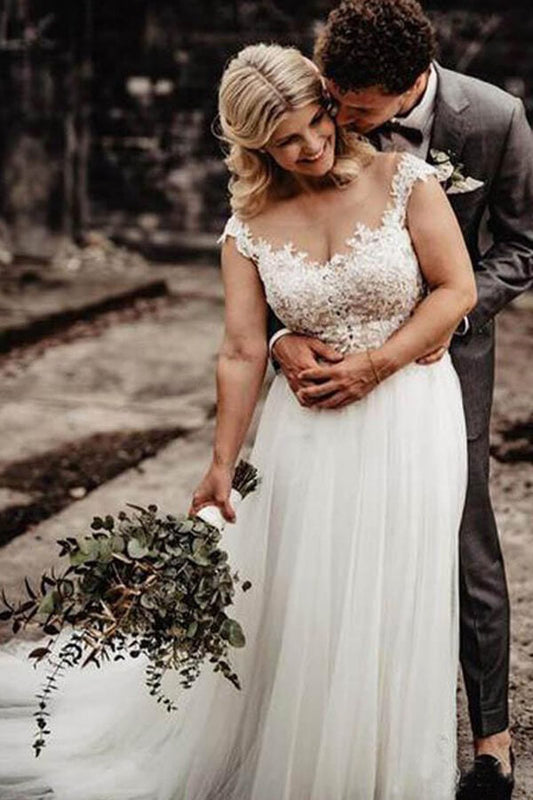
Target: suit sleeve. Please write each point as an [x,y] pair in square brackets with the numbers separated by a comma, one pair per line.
[506,269]
[273,324]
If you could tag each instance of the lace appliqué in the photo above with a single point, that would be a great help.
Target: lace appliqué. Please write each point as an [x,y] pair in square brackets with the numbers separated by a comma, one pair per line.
[357,298]
[242,235]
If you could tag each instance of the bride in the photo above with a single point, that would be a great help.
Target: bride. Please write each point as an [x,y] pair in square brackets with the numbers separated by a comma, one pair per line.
[349,671]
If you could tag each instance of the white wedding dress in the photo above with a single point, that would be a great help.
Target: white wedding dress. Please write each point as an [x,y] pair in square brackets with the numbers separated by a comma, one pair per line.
[349,672]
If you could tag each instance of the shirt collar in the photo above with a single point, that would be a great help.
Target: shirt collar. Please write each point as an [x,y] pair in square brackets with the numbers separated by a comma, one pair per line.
[420,116]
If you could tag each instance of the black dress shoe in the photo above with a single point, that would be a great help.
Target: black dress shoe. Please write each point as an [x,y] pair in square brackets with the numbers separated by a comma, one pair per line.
[486,781]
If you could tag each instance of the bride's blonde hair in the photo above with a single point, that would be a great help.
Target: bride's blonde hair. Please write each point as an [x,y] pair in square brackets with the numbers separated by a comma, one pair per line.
[260,85]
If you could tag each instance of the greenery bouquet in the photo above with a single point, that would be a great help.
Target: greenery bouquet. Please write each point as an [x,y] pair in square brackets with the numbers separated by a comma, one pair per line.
[140,584]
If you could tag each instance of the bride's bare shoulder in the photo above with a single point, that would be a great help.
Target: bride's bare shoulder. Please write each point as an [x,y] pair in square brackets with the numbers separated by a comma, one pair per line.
[381,169]
[385,163]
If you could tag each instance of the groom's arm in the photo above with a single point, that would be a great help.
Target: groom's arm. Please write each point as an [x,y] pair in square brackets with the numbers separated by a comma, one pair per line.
[506,269]
[275,330]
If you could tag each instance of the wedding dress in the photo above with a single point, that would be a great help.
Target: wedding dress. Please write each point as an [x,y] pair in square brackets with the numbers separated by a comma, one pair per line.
[349,671]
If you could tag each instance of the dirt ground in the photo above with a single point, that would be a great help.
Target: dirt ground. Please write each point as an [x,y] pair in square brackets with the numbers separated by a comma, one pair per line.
[152,369]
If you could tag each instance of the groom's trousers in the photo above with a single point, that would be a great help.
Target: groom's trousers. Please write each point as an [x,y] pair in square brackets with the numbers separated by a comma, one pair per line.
[484,602]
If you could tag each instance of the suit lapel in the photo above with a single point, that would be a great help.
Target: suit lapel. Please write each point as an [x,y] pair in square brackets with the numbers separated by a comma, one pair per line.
[450,125]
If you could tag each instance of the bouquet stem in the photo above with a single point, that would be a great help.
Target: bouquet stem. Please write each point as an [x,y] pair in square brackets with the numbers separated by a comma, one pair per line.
[245,481]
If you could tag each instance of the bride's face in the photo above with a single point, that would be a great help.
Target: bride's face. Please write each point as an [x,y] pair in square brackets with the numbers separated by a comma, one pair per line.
[304,141]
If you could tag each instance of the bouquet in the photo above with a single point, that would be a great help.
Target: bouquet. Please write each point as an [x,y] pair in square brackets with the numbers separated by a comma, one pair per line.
[143,583]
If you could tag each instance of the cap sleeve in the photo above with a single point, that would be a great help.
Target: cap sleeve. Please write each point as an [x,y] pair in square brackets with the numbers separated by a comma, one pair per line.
[410,170]
[237,229]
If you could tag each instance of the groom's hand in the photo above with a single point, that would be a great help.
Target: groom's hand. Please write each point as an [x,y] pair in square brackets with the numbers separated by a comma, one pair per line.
[338,385]
[434,355]
[296,353]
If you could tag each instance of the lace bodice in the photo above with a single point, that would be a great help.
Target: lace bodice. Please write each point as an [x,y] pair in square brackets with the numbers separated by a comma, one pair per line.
[357,298]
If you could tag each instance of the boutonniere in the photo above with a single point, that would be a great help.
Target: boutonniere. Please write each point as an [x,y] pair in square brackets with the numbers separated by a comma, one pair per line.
[450,173]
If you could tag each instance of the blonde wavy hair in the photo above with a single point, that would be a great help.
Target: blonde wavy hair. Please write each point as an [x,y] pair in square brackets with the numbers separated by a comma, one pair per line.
[260,85]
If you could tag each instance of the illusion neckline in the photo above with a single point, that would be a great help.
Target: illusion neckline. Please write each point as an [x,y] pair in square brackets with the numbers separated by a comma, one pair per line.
[361,232]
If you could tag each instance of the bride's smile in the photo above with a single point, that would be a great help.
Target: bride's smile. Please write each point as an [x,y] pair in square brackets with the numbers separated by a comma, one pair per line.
[304,141]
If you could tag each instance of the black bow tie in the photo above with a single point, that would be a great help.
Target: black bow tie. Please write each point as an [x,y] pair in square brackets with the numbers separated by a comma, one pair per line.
[412,135]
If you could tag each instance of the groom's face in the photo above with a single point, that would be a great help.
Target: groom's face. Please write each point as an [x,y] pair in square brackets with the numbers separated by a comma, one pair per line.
[366,109]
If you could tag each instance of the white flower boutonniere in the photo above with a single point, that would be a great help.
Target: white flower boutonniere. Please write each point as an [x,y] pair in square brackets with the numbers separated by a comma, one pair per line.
[450,173]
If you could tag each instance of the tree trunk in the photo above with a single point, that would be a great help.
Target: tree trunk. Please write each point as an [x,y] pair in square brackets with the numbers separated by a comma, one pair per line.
[76,217]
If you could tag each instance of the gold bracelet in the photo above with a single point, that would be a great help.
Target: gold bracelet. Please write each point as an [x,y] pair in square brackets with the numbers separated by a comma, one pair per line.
[374,370]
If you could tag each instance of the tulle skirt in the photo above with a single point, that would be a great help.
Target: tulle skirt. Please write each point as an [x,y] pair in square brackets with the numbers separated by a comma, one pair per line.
[350,667]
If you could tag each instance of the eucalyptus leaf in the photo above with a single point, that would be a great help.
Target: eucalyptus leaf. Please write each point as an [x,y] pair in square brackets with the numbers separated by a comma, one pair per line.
[104,551]
[79,557]
[67,588]
[118,544]
[148,602]
[48,603]
[136,549]
[236,635]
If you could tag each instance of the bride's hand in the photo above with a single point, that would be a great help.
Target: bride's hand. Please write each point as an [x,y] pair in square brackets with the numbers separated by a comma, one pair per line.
[337,385]
[214,490]
[296,353]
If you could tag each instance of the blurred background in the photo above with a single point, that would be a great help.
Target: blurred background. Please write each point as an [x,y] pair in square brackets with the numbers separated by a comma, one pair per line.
[106,107]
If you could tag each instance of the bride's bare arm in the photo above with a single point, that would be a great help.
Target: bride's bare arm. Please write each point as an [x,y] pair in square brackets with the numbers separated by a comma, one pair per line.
[447,268]
[241,368]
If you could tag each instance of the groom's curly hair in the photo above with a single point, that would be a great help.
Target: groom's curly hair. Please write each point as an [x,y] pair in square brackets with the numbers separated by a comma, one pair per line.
[386,43]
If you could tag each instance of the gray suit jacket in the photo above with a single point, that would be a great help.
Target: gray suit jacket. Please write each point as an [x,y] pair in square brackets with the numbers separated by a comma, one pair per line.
[488,131]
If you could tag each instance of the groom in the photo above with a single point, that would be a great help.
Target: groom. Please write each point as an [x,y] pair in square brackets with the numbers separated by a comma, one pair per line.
[378,60]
